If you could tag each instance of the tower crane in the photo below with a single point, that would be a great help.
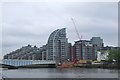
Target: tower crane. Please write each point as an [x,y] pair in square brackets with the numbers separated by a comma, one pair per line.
[79,37]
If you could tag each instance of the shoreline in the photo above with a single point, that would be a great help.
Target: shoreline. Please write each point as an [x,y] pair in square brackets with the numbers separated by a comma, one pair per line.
[101,66]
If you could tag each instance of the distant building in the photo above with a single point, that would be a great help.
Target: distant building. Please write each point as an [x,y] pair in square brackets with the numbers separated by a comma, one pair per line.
[84,50]
[109,48]
[57,45]
[69,52]
[27,53]
[44,52]
[58,49]
[102,55]
[74,52]
[98,42]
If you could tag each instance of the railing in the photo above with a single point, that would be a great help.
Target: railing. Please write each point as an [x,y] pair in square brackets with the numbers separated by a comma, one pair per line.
[14,62]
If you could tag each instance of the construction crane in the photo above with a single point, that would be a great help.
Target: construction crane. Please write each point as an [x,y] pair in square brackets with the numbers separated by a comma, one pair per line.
[79,37]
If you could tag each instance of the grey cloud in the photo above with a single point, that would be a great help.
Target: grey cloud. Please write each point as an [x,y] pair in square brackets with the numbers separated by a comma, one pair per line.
[102,10]
[32,23]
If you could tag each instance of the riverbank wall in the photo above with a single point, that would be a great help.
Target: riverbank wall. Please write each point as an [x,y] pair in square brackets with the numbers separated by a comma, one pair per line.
[109,66]
[39,66]
[30,66]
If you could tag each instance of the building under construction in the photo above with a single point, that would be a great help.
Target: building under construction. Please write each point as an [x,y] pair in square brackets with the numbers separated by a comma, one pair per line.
[85,50]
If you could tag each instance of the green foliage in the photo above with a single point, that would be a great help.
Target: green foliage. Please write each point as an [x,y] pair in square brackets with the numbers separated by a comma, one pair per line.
[114,55]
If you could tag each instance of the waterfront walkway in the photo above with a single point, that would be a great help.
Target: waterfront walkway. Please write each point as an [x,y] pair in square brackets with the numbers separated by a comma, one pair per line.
[14,62]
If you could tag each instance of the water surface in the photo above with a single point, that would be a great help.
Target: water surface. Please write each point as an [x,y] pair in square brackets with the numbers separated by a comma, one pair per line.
[60,73]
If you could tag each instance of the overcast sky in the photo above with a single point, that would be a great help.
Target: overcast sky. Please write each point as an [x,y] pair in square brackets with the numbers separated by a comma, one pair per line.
[32,22]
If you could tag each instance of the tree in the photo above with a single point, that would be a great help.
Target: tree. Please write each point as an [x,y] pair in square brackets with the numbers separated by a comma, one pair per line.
[114,54]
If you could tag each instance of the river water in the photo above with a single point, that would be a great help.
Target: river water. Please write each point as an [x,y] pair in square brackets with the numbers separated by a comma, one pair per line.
[60,73]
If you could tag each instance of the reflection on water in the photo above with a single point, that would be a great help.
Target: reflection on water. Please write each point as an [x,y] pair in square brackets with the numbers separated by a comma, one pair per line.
[0,73]
[61,73]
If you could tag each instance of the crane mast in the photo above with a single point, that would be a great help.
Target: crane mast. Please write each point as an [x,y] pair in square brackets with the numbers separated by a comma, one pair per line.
[80,37]
[77,35]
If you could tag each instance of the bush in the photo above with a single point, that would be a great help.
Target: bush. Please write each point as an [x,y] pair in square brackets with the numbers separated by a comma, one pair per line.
[114,56]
